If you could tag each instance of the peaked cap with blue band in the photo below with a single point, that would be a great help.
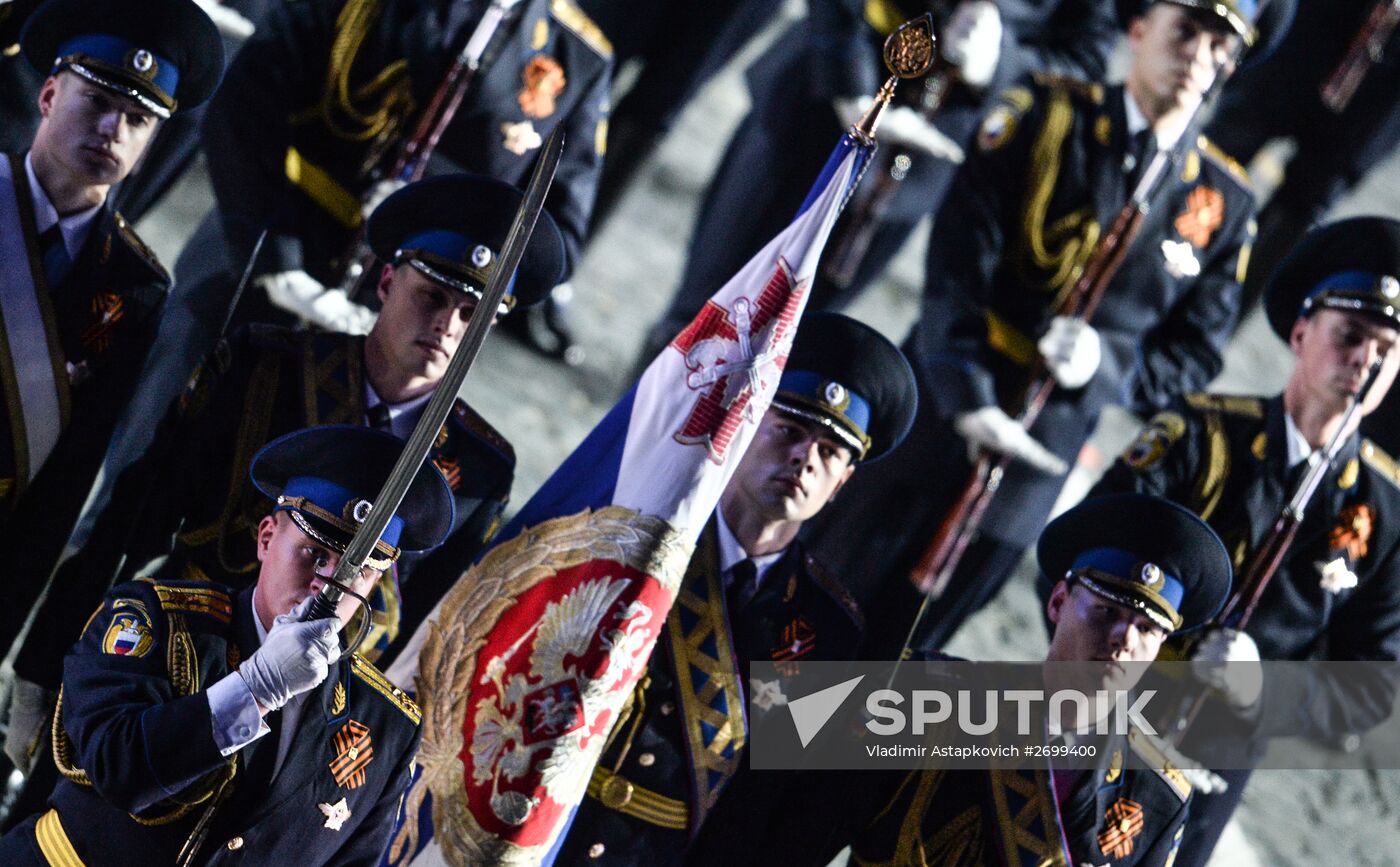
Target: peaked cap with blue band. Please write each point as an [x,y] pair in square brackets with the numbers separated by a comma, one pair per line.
[1352,265]
[451,228]
[1143,552]
[1260,23]
[328,476]
[845,375]
[165,54]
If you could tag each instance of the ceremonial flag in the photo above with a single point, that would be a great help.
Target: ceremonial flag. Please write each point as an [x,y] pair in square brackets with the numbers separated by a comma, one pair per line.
[527,661]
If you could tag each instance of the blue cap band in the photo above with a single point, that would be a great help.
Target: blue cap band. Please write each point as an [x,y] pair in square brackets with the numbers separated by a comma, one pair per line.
[1128,566]
[333,499]
[1342,281]
[814,388]
[456,248]
[118,53]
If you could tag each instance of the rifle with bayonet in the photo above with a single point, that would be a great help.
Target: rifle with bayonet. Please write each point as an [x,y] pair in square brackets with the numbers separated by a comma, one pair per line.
[416,149]
[935,568]
[1268,555]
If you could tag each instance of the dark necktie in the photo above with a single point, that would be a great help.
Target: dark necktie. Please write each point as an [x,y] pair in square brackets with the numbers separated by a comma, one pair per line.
[1140,150]
[743,585]
[54,255]
[379,418]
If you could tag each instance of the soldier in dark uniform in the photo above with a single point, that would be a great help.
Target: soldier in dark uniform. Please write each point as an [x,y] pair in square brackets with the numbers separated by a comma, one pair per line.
[1130,570]
[315,105]
[1235,461]
[200,719]
[440,239]
[1055,162]
[82,293]
[806,90]
[1336,143]
[846,396]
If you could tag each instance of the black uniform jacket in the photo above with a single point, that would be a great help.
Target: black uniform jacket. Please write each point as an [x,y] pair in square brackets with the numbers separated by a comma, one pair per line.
[100,323]
[1226,459]
[1027,210]
[286,149]
[191,498]
[681,754]
[137,746]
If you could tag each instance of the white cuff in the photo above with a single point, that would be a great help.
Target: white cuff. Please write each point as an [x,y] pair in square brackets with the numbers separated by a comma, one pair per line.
[234,714]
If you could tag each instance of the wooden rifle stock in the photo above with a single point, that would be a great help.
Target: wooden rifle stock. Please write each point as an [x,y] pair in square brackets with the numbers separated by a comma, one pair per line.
[1364,52]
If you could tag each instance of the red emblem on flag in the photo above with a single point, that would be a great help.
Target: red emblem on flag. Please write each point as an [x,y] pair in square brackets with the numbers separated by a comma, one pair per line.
[730,354]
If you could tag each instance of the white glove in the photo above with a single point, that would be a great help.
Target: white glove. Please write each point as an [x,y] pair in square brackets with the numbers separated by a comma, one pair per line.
[30,709]
[295,657]
[972,41]
[378,193]
[1228,660]
[299,293]
[1203,779]
[229,22]
[901,125]
[1071,351]
[991,428]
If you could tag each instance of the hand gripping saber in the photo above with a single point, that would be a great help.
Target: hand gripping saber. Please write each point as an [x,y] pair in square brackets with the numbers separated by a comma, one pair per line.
[435,413]
[944,552]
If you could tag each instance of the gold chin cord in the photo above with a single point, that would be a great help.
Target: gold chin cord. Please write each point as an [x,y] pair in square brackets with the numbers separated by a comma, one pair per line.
[908,54]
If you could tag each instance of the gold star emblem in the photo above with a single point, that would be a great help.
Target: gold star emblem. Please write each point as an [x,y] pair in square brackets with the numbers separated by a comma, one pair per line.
[335,814]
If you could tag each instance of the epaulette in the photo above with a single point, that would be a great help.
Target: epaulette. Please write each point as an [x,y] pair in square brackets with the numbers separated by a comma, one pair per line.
[1212,150]
[138,246]
[365,670]
[1230,404]
[482,429]
[1379,460]
[1153,754]
[836,590]
[574,18]
[194,598]
[1088,90]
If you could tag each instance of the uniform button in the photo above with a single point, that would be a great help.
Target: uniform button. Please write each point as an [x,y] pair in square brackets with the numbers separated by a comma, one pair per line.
[668,708]
[596,850]
[244,731]
[235,844]
[646,760]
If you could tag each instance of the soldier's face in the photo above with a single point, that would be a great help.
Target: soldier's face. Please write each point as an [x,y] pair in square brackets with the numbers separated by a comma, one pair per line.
[1090,628]
[93,135]
[421,323]
[791,470]
[293,567]
[1175,54]
[1334,350]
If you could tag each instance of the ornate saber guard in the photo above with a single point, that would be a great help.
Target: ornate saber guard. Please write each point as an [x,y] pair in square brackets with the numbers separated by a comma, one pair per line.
[435,413]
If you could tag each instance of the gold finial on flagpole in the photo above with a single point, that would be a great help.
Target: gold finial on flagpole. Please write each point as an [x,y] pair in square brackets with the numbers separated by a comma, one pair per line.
[908,54]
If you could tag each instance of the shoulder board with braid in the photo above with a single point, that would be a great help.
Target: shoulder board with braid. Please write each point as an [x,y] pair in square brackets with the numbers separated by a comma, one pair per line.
[1379,460]
[1224,160]
[1153,754]
[1230,404]
[1087,90]
[835,589]
[365,670]
[195,597]
[138,246]
[567,13]
[482,429]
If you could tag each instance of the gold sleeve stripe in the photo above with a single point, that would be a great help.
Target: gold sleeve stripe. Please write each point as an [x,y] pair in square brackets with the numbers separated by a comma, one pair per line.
[583,27]
[54,843]
[651,807]
[366,671]
[342,205]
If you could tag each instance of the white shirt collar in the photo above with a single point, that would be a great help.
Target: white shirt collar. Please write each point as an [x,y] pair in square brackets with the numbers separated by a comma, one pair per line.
[74,226]
[1137,122]
[1298,448]
[257,621]
[731,552]
[403,417]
